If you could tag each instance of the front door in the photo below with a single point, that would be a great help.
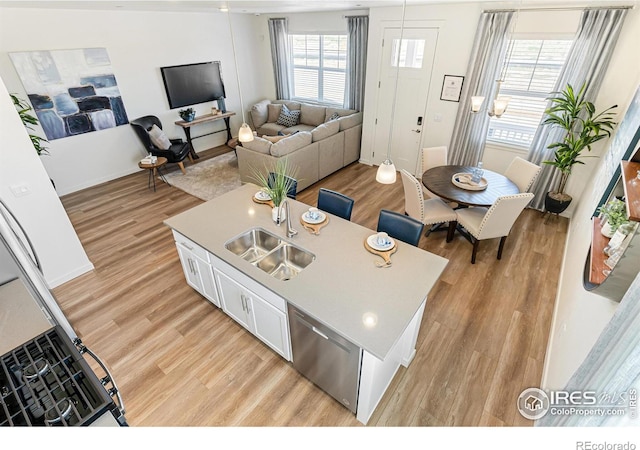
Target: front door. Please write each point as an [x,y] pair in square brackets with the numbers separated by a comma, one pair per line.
[416,63]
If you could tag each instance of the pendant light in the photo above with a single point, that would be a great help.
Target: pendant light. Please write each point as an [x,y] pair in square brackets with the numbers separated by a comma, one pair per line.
[245,133]
[500,102]
[386,173]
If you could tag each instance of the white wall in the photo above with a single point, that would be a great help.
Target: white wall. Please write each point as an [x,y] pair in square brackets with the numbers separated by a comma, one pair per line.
[456,26]
[40,211]
[579,316]
[138,43]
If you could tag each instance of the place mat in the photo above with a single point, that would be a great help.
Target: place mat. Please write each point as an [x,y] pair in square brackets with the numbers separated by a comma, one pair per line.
[463,181]
[314,228]
[263,202]
[386,255]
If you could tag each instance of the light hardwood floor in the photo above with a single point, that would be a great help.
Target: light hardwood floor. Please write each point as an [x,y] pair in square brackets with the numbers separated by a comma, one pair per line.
[180,361]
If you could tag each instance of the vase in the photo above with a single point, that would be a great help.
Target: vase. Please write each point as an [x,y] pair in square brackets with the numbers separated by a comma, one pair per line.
[556,205]
[274,215]
[188,117]
[606,230]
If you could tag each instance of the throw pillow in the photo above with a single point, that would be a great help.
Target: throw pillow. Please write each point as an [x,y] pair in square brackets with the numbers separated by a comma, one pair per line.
[333,116]
[288,118]
[273,139]
[273,112]
[158,138]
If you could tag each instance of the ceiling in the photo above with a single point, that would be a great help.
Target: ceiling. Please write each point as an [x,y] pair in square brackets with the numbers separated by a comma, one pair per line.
[273,6]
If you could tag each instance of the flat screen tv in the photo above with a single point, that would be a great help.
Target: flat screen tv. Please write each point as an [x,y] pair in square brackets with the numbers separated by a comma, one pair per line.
[190,84]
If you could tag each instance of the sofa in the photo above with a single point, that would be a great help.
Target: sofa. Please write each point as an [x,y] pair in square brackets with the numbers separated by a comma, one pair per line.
[323,140]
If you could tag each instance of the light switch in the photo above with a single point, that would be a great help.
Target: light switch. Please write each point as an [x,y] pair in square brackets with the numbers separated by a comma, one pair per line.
[437,117]
[20,190]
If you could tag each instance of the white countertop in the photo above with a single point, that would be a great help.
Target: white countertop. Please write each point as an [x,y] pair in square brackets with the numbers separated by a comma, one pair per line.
[21,318]
[342,287]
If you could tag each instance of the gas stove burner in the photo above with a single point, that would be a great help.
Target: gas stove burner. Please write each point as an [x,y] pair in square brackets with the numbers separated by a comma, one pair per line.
[51,416]
[39,367]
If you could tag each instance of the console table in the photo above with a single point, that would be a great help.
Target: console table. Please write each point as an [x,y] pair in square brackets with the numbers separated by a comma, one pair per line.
[186,126]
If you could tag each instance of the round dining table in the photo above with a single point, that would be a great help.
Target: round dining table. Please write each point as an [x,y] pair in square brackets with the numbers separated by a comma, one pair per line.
[438,180]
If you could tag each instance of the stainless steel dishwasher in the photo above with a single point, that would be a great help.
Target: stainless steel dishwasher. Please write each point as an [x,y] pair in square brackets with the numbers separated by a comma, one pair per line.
[325,358]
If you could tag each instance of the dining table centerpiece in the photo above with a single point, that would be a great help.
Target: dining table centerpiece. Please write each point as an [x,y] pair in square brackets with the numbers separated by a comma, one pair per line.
[276,183]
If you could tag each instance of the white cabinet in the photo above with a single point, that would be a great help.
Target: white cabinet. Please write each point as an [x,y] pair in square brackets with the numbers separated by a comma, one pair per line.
[234,300]
[197,269]
[256,314]
[254,307]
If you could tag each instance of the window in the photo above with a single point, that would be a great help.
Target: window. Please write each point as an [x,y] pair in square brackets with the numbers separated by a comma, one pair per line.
[411,53]
[531,75]
[319,63]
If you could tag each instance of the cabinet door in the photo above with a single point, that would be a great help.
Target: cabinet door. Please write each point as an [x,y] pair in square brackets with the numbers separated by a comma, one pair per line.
[271,326]
[234,300]
[205,271]
[189,266]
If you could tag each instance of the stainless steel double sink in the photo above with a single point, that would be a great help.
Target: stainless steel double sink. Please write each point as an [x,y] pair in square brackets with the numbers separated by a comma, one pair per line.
[270,253]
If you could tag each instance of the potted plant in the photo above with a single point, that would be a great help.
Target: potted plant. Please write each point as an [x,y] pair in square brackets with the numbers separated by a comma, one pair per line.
[276,183]
[24,111]
[614,213]
[187,114]
[570,111]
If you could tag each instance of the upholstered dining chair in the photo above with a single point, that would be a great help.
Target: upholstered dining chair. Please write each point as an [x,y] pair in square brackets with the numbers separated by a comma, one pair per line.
[429,212]
[522,172]
[293,186]
[431,157]
[493,222]
[399,226]
[335,203]
[177,151]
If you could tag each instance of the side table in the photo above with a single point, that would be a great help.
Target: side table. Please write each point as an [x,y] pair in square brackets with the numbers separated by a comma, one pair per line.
[154,169]
[186,126]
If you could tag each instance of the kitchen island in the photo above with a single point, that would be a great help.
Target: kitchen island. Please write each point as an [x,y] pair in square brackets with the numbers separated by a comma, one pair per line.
[377,309]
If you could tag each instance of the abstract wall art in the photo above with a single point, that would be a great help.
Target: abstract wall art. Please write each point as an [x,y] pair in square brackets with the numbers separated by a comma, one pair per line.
[72,91]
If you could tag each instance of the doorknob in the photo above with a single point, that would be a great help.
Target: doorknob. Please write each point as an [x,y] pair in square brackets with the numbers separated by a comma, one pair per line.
[417,131]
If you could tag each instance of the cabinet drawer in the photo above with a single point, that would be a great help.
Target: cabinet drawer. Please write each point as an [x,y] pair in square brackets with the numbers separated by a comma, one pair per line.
[191,246]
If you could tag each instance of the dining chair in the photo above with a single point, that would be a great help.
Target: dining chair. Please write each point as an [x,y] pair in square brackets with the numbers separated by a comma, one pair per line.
[428,212]
[493,222]
[431,157]
[522,172]
[293,186]
[335,203]
[400,226]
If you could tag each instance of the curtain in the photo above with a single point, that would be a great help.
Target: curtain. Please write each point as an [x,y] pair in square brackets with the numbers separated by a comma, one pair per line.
[470,130]
[586,63]
[612,367]
[279,36]
[358,30]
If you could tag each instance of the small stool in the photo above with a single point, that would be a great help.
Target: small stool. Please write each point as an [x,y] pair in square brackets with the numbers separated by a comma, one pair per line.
[153,170]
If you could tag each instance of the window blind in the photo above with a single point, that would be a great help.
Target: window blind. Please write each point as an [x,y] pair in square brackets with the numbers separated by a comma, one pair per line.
[319,63]
[531,74]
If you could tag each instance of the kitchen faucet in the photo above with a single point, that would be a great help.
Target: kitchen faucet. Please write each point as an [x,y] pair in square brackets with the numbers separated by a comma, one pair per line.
[290,231]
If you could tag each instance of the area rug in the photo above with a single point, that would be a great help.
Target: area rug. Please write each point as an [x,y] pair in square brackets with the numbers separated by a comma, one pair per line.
[208,179]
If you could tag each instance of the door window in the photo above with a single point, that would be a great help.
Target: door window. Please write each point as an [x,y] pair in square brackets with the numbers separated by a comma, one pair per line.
[411,53]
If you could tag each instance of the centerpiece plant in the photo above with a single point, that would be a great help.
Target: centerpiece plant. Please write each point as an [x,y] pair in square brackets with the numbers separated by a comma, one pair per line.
[570,111]
[278,181]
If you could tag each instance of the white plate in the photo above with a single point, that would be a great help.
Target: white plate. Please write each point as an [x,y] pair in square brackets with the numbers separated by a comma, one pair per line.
[262,196]
[463,180]
[322,216]
[373,243]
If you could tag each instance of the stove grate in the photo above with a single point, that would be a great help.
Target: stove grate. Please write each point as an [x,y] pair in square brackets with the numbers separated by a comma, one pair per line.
[46,382]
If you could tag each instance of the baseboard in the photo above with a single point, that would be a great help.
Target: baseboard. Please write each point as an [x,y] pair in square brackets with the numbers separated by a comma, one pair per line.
[70,275]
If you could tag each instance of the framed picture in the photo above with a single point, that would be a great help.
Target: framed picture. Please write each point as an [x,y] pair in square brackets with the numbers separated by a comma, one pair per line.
[451,88]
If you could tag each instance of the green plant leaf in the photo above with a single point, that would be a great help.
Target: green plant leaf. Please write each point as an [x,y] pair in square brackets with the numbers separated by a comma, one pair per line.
[571,112]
